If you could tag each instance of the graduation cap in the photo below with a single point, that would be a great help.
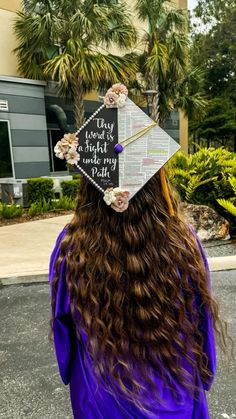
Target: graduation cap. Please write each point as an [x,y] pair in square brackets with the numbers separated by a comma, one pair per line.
[119,148]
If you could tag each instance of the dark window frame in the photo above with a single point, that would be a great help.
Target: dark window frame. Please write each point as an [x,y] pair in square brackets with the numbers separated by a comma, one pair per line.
[6,121]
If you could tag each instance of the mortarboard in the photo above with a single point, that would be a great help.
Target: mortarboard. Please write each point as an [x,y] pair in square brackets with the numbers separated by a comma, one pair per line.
[119,148]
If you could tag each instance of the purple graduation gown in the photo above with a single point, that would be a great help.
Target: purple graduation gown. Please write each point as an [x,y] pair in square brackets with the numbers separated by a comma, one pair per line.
[89,402]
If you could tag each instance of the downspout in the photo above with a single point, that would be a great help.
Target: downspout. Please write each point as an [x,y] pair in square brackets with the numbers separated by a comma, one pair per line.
[61,117]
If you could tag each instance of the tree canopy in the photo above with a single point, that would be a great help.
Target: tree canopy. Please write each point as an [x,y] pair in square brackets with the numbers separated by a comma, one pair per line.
[214,51]
[68,42]
[165,63]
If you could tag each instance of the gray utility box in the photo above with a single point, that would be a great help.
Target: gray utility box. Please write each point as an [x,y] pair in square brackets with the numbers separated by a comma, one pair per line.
[14,192]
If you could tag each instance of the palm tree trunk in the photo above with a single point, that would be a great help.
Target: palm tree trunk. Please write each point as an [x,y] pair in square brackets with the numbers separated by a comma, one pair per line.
[152,84]
[155,114]
[78,95]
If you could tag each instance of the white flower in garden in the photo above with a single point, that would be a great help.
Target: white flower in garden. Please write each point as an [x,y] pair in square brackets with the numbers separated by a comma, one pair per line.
[121,100]
[72,157]
[60,149]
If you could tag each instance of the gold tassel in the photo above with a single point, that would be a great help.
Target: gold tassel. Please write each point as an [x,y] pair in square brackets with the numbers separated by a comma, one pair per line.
[166,192]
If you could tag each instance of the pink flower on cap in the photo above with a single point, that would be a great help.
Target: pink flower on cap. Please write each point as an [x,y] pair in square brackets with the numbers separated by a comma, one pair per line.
[110,100]
[117,198]
[119,88]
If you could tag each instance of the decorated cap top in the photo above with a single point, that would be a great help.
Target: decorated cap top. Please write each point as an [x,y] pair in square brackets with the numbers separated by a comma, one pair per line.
[119,148]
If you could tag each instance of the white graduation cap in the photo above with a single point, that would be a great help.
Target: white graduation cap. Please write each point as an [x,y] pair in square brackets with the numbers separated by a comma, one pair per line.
[119,148]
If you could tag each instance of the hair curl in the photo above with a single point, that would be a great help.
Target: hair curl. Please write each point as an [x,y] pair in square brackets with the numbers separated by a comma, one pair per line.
[128,276]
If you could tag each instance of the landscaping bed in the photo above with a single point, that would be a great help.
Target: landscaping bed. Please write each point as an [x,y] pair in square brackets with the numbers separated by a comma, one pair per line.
[27,217]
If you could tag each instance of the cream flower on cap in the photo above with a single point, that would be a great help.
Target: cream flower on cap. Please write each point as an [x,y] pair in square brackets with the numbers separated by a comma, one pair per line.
[61,148]
[72,157]
[109,196]
[121,100]
[71,140]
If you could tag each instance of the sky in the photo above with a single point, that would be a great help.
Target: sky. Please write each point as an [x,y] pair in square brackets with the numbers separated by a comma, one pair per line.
[192,4]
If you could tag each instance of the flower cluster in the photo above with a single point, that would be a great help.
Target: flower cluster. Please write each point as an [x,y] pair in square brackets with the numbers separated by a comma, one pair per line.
[116,96]
[117,198]
[66,149]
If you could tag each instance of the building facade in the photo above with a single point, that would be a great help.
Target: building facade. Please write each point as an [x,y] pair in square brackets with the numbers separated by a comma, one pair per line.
[29,125]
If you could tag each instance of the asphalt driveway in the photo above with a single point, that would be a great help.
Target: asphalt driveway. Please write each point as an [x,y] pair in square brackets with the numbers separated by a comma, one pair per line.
[29,380]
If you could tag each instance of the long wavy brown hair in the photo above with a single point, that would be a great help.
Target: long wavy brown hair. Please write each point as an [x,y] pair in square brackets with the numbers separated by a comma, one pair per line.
[133,278]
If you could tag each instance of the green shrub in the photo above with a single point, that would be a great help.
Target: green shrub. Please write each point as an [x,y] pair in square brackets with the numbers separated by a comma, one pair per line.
[70,188]
[64,203]
[40,207]
[39,189]
[230,204]
[10,211]
[77,176]
[206,177]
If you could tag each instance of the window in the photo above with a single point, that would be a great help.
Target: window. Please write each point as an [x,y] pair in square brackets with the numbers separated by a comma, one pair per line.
[56,165]
[6,166]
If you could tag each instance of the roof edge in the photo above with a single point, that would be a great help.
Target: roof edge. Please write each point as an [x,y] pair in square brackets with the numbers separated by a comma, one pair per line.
[22,80]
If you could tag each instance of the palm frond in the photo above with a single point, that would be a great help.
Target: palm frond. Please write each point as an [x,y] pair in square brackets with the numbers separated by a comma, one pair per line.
[149,9]
[157,61]
[175,172]
[194,183]
[228,205]
[232,182]
[34,29]
[176,20]
[59,69]
[80,24]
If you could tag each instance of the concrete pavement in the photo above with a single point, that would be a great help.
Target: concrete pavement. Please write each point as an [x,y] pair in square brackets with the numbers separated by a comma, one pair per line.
[25,250]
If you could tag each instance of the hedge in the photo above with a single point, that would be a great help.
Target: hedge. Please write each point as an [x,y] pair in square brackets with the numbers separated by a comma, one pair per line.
[39,189]
[70,188]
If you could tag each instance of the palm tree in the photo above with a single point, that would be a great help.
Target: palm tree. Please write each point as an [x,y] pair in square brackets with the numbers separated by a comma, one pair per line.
[165,64]
[68,40]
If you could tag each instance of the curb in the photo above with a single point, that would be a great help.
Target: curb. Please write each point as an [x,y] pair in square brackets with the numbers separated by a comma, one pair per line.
[223,263]
[24,279]
[216,264]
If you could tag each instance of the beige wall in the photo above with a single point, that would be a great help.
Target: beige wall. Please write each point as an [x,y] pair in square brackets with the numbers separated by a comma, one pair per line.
[8,61]
[11,5]
[180,3]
